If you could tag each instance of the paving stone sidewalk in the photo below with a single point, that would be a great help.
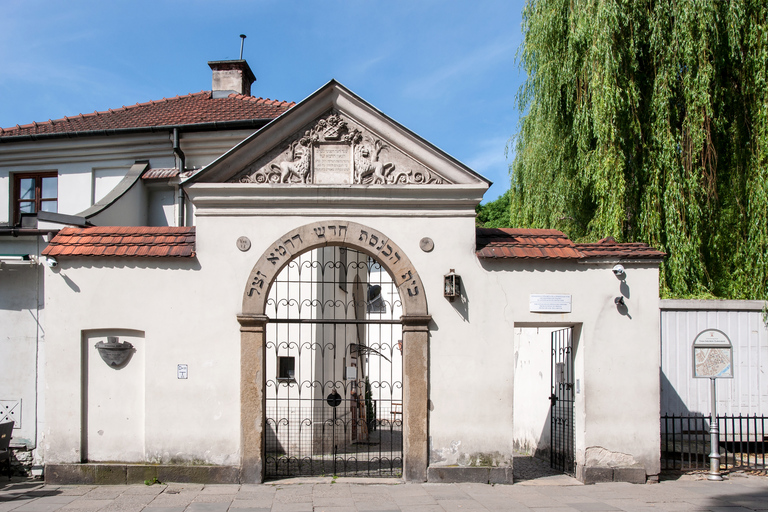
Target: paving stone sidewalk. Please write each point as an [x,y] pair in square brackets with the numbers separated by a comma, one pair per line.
[556,493]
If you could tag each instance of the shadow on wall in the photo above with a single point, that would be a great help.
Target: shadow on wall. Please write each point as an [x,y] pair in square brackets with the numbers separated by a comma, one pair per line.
[461,304]
[671,403]
[26,282]
[539,448]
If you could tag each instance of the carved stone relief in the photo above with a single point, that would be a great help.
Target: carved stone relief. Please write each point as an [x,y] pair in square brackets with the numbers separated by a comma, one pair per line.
[336,150]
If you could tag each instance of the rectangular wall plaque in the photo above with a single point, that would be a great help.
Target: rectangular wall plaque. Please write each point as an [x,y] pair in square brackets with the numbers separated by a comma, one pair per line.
[182,371]
[332,164]
[550,303]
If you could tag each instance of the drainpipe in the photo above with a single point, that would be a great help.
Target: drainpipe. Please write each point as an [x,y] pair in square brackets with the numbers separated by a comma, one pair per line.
[178,153]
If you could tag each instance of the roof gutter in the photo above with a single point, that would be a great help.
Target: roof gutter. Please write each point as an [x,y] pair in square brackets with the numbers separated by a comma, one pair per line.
[181,166]
[198,127]
[16,231]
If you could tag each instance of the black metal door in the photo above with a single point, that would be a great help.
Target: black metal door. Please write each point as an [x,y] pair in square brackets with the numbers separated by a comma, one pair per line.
[334,368]
[561,400]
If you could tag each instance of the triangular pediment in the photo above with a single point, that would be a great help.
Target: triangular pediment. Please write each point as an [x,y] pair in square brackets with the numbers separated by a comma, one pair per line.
[335,138]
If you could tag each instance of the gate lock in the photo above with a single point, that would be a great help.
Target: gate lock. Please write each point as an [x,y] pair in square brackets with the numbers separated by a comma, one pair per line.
[334,399]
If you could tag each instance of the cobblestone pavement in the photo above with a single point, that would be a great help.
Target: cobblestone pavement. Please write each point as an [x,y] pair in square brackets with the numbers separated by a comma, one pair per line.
[556,493]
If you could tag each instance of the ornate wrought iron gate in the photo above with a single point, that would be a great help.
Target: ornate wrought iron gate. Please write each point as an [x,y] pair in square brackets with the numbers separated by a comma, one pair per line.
[334,368]
[561,400]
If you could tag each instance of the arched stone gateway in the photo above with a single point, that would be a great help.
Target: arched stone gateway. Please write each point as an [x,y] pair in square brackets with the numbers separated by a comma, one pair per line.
[253,347]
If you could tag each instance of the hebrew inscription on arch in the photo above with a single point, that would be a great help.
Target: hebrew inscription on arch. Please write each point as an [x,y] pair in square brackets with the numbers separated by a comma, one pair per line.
[338,233]
[336,150]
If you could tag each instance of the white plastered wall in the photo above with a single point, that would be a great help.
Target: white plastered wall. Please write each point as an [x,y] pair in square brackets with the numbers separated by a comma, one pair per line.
[22,338]
[617,354]
[188,309]
[81,164]
[113,414]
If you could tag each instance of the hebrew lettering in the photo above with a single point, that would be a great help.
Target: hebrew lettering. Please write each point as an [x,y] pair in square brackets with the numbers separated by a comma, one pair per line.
[257,284]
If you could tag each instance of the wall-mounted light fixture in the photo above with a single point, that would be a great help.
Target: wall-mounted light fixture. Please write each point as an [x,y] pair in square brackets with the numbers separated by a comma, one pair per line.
[452,285]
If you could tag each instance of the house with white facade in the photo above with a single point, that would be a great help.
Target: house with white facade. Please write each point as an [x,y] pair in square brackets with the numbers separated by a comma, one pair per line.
[268,289]
[72,170]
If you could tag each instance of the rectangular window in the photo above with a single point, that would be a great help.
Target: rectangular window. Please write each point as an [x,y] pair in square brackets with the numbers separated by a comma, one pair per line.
[35,192]
[286,367]
[375,300]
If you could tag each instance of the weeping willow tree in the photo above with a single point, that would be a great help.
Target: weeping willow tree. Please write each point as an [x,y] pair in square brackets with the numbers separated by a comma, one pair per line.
[647,121]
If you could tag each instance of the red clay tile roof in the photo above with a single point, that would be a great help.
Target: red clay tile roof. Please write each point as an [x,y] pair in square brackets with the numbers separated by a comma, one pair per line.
[190,109]
[552,244]
[110,241]
[525,243]
[160,173]
[609,248]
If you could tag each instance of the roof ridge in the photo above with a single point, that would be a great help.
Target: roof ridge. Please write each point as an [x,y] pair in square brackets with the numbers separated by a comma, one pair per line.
[68,119]
[261,99]
[187,109]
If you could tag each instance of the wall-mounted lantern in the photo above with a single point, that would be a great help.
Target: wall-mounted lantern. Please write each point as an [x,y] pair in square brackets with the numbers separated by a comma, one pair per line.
[114,353]
[452,285]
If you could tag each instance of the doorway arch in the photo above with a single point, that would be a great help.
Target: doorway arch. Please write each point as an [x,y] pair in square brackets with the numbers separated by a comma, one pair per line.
[253,320]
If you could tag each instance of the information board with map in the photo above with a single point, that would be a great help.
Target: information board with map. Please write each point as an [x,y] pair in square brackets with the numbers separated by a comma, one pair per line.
[712,355]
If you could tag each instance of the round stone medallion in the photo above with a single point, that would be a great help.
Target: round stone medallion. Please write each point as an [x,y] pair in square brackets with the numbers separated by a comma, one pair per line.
[243,243]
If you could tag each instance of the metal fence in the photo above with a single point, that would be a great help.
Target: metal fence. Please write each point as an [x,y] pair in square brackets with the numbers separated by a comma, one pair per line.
[685,442]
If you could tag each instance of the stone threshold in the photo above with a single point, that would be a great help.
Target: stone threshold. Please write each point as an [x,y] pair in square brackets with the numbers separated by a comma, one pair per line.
[124,474]
[595,475]
[473,474]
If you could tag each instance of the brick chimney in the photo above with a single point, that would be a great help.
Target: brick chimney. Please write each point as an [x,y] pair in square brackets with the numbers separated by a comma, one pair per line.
[231,76]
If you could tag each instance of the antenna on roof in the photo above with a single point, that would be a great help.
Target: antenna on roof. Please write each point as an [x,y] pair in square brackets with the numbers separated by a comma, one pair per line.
[242,42]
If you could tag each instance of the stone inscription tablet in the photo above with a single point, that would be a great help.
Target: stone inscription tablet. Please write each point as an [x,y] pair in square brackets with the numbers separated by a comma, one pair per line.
[332,164]
[550,303]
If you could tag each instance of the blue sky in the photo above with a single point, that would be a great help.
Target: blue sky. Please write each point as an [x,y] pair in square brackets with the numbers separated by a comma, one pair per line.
[444,69]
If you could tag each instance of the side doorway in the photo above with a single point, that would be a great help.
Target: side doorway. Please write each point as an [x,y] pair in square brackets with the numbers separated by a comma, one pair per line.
[545,394]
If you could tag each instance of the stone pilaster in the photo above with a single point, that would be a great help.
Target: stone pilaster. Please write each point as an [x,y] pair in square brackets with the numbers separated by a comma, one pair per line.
[415,396]
[252,405]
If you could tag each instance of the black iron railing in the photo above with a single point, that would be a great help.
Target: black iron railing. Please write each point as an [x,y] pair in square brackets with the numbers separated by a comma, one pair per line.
[742,444]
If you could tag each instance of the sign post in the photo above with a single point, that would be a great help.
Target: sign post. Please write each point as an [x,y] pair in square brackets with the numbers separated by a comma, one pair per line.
[713,359]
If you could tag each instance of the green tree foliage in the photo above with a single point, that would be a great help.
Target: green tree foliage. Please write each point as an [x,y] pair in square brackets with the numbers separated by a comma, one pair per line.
[647,121]
[495,214]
